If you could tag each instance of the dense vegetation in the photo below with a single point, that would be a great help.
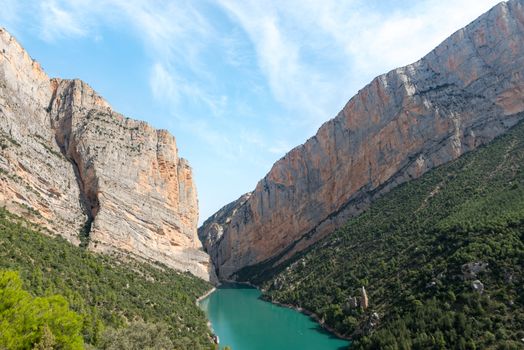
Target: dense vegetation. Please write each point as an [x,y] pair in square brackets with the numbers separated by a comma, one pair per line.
[441,258]
[113,300]
[28,322]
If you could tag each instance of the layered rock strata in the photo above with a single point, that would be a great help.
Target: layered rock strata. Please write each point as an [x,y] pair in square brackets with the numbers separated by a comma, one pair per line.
[461,95]
[69,162]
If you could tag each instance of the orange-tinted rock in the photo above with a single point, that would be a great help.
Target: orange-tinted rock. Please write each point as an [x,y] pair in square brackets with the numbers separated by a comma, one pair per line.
[77,167]
[464,93]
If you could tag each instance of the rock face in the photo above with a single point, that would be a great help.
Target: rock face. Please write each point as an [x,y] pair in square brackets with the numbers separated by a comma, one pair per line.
[87,173]
[461,95]
[364,301]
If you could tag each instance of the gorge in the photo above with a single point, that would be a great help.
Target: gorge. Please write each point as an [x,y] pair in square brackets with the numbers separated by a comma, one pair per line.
[458,97]
[398,225]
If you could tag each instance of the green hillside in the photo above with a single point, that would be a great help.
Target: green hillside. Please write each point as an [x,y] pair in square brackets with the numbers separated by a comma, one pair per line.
[122,305]
[410,251]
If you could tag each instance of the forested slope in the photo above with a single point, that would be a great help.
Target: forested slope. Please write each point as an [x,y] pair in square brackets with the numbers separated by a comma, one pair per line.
[119,302]
[441,258]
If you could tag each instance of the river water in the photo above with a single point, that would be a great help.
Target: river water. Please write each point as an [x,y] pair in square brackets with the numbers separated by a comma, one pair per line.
[245,322]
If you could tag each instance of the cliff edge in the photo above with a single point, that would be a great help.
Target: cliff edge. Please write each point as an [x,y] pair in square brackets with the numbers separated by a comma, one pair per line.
[69,162]
[460,96]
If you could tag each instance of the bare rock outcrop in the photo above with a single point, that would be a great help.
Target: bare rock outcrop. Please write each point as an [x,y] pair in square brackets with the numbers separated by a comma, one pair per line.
[461,95]
[89,174]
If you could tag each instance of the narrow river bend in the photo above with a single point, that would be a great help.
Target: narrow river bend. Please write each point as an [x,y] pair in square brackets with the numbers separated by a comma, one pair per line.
[245,322]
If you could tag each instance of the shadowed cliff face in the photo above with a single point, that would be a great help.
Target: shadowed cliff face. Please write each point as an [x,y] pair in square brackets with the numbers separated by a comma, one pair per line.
[72,164]
[461,95]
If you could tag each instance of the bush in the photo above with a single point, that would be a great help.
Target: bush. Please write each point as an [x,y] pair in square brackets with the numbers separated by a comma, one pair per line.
[137,336]
[27,322]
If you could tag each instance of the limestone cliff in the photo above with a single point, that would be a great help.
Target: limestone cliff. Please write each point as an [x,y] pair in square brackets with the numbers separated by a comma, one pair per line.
[461,95]
[72,164]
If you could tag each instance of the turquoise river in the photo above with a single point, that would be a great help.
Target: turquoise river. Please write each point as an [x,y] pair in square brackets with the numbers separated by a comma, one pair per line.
[245,322]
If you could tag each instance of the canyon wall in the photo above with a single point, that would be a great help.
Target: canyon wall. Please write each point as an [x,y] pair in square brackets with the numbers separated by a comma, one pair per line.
[460,96]
[73,165]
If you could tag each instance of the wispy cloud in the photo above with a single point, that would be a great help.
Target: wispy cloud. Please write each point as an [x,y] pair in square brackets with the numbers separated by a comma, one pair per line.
[391,39]
[279,56]
[315,54]
[175,34]
[247,80]
[59,21]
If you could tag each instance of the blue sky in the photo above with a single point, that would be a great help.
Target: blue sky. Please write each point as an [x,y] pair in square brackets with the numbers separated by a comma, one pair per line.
[239,83]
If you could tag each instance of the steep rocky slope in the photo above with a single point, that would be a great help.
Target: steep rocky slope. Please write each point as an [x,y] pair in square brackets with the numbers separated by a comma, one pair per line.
[441,259]
[461,95]
[72,164]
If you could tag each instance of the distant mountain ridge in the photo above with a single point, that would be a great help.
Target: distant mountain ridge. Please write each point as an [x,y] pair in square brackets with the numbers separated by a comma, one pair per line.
[460,96]
[69,162]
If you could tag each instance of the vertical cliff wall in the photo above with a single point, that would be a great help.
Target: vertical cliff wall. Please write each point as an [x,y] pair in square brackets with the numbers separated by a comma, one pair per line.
[72,164]
[460,96]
